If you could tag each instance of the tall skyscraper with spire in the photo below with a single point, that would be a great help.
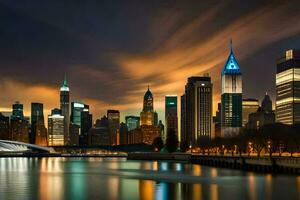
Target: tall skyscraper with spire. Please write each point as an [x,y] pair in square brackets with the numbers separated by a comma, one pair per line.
[231,98]
[65,108]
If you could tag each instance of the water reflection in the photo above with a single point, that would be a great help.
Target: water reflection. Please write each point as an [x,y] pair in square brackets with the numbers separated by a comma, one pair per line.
[84,178]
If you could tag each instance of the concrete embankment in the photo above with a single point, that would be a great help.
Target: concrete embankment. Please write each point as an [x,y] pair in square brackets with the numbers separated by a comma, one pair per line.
[258,164]
[159,156]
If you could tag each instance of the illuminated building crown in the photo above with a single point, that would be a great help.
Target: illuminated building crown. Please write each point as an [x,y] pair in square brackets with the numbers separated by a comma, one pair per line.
[65,86]
[231,65]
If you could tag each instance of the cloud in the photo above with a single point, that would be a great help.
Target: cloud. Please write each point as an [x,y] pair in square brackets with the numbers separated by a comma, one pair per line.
[110,61]
[169,65]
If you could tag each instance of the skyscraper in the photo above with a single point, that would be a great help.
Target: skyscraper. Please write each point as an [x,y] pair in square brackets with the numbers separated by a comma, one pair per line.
[288,88]
[231,98]
[56,129]
[38,130]
[132,122]
[123,134]
[65,109]
[4,127]
[76,109]
[249,106]
[183,134]
[171,118]
[17,111]
[19,129]
[147,115]
[197,101]
[81,117]
[86,125]
[113,117]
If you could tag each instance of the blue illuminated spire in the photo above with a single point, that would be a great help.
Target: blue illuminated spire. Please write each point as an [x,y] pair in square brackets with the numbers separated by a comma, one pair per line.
[231,65]
[65,86]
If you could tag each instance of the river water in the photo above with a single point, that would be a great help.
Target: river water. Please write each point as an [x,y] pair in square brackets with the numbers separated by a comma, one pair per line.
[117,178]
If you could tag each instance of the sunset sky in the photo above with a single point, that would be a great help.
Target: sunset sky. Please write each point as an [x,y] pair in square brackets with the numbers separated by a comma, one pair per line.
[111,50]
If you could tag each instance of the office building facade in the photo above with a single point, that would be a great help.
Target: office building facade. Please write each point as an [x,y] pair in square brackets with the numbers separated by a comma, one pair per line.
[171,117]
[231,98]
[288,88]
[113,117]
[197,111]
[56,122]
[248,106]
[132,122]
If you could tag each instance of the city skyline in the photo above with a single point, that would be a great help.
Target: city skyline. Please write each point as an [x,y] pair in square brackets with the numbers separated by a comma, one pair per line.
[165,64]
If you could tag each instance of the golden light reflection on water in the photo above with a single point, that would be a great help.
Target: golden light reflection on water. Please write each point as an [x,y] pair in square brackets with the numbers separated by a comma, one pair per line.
[268,183]
[197,170]
[251,183]
[50,185]
[113,185]
[147,189]
[214,172]
[214,193]
[197,191]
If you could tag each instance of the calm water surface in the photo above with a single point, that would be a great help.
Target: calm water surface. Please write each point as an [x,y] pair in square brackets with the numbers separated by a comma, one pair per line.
[110,178]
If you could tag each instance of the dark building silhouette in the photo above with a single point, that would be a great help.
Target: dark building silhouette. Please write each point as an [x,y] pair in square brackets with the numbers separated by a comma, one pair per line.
[86,125]
[113,117]
[74,131]
[38,130]
[123,134]
[263,116]
[4,128]
[99,134]
[171,117]
[217,122]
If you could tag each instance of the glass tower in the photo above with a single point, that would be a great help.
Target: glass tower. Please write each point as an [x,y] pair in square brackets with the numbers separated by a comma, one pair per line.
[17,111]
[231,98]
[288,88]
[171,118]
[132,122]
[65,109]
